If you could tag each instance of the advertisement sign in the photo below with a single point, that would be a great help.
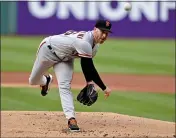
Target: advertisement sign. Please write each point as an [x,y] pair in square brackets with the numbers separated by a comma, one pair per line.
[146,19]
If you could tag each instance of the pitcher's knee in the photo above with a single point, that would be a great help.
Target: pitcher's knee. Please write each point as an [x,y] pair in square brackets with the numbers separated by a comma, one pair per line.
[32,81]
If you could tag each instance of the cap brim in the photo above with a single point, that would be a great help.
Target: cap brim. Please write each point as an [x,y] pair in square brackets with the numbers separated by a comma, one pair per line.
[105,29]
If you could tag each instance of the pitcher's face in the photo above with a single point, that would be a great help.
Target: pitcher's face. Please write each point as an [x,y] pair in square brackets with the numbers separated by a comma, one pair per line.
[100,36]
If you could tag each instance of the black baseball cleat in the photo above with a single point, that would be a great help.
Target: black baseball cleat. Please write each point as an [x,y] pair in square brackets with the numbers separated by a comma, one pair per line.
[72,125]
[45,88]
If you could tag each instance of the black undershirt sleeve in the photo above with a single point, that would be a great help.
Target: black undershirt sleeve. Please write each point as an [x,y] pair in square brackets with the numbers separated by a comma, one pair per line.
[90,72]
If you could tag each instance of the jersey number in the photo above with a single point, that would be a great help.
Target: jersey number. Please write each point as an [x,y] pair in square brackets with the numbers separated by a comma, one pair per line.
[80,33]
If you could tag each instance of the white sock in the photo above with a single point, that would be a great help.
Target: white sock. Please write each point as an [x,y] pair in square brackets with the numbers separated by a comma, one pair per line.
[43,80]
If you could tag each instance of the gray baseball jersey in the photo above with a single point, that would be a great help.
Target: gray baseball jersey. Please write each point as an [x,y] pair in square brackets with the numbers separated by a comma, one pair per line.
[73,44]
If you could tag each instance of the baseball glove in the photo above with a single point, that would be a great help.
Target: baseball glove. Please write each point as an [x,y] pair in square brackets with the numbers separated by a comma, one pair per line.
[88,95]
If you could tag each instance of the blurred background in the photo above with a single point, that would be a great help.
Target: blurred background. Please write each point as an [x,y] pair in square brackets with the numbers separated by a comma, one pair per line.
[142,40]
[142,43]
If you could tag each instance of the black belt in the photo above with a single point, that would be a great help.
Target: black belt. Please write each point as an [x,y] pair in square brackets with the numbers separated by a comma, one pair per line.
[52,50]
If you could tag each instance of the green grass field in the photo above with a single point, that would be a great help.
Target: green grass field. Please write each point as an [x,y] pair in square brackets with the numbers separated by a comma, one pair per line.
[117,56]
[150,105]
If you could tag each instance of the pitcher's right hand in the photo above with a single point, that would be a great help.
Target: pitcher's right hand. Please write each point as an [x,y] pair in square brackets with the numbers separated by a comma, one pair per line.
[107,92]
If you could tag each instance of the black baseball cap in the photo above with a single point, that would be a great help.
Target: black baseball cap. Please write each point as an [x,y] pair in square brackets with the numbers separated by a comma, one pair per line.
[104,25]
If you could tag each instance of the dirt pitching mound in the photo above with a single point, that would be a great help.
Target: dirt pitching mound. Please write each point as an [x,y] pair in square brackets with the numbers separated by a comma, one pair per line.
[97,124]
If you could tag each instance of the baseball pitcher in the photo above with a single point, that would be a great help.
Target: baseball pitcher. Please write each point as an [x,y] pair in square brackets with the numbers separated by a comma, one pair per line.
[59,52]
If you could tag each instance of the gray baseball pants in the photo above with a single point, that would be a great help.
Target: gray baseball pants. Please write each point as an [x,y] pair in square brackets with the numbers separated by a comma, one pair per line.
[63,71]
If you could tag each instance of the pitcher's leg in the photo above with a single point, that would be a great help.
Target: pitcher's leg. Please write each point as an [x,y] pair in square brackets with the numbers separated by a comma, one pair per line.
[41,65]
[64,71]
[37,75]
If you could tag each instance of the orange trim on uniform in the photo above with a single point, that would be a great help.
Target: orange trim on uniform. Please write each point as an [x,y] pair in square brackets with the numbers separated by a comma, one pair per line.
[85,55]
[40,46]
[42,43]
